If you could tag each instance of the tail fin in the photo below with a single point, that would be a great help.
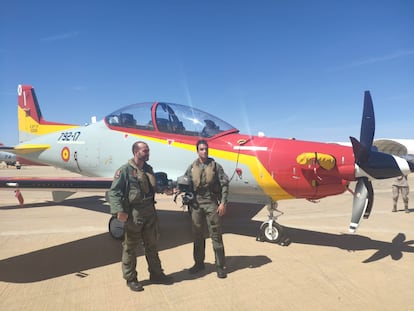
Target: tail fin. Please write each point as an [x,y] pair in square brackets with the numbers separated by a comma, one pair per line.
[30,119]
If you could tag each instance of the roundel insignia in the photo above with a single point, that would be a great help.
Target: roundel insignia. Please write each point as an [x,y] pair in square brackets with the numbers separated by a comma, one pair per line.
[65,154]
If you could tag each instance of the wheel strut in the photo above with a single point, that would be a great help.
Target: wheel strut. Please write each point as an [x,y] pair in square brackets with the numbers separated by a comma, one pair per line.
[270,230]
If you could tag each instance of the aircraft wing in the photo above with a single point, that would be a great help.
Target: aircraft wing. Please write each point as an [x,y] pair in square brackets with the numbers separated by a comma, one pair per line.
[61,188]
[74,184]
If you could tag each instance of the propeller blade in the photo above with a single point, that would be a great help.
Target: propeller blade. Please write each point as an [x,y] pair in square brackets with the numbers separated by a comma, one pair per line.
[371,162]
[370,190]
[362,205]
[362,148]
[368,122]
[382,166]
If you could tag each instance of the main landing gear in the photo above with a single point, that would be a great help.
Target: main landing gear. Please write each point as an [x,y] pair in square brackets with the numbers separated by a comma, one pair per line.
[270,230]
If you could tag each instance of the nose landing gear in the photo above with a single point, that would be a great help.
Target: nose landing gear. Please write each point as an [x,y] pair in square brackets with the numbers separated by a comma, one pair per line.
[270,230]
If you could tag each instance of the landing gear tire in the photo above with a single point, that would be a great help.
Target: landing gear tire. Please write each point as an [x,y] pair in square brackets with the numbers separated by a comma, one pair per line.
[271,233]
[116,228]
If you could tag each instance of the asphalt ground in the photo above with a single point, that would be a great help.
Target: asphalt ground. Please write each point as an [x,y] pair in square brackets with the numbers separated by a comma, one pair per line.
[60,256]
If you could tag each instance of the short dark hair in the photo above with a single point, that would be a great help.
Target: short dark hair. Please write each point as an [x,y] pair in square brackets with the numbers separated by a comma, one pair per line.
[135,146]
[201,142]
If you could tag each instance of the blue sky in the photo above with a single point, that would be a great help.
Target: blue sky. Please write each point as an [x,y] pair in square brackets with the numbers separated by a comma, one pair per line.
[287,68]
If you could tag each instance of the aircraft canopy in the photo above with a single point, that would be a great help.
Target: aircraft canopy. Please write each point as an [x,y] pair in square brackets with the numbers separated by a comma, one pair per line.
[170,118]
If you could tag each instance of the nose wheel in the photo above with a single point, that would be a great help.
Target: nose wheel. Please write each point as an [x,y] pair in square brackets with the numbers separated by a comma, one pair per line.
[271,231]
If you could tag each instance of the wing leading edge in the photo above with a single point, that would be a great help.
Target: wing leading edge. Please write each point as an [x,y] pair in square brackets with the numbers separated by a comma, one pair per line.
[73,184]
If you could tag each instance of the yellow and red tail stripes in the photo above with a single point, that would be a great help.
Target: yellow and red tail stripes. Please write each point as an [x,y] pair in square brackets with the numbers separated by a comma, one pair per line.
[30,119]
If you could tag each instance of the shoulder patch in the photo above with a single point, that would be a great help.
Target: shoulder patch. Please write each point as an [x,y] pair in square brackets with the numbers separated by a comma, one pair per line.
[117,174]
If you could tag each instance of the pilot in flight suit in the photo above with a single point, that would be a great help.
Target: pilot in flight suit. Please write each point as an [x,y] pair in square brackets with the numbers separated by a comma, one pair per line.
[132,200]
[210,185]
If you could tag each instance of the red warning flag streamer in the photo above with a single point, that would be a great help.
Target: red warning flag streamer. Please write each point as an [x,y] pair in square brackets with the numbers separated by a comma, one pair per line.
[19,197]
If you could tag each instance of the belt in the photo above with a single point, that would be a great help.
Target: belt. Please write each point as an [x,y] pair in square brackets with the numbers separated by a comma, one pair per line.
[149,196]
[202,191]
[145,199]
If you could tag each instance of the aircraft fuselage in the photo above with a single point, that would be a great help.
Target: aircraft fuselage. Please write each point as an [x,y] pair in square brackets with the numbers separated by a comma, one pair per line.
[260,168]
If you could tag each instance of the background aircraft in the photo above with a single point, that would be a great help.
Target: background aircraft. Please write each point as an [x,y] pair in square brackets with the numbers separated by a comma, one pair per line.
[261,169]
[400,147]
[403,148]
[12,160]
[8,158]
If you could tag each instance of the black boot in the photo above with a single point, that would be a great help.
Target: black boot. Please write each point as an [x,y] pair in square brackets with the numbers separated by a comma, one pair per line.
[221,273]
[135,286]
[220,263]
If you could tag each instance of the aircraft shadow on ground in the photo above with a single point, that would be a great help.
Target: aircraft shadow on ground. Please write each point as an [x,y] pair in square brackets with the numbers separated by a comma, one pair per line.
[78,256]
[69,258]
[234,263]
[349,242]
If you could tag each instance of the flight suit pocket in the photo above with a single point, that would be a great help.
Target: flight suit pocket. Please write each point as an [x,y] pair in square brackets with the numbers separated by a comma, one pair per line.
[134,196]
[137,219]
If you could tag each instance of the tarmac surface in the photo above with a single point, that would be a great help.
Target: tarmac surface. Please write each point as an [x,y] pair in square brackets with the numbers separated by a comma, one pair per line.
[60,256]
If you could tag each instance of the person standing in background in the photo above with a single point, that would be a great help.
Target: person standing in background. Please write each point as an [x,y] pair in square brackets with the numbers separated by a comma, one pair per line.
[400,184]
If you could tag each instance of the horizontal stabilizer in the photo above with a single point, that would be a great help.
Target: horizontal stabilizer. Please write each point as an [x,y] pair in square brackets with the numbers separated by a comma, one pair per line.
[30,148]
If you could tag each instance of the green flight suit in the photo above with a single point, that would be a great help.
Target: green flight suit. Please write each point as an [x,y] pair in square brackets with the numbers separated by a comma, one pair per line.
[132,191]
[211,186]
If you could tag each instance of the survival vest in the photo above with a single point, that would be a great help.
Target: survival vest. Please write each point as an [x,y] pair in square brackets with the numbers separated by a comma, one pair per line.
[209,171]
[142,183]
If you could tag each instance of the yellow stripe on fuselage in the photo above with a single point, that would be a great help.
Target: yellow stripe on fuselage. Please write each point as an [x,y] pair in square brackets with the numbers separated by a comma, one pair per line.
[263,178]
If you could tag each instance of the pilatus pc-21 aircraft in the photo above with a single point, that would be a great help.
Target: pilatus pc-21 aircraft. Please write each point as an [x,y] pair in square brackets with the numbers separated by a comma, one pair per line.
[261,169]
